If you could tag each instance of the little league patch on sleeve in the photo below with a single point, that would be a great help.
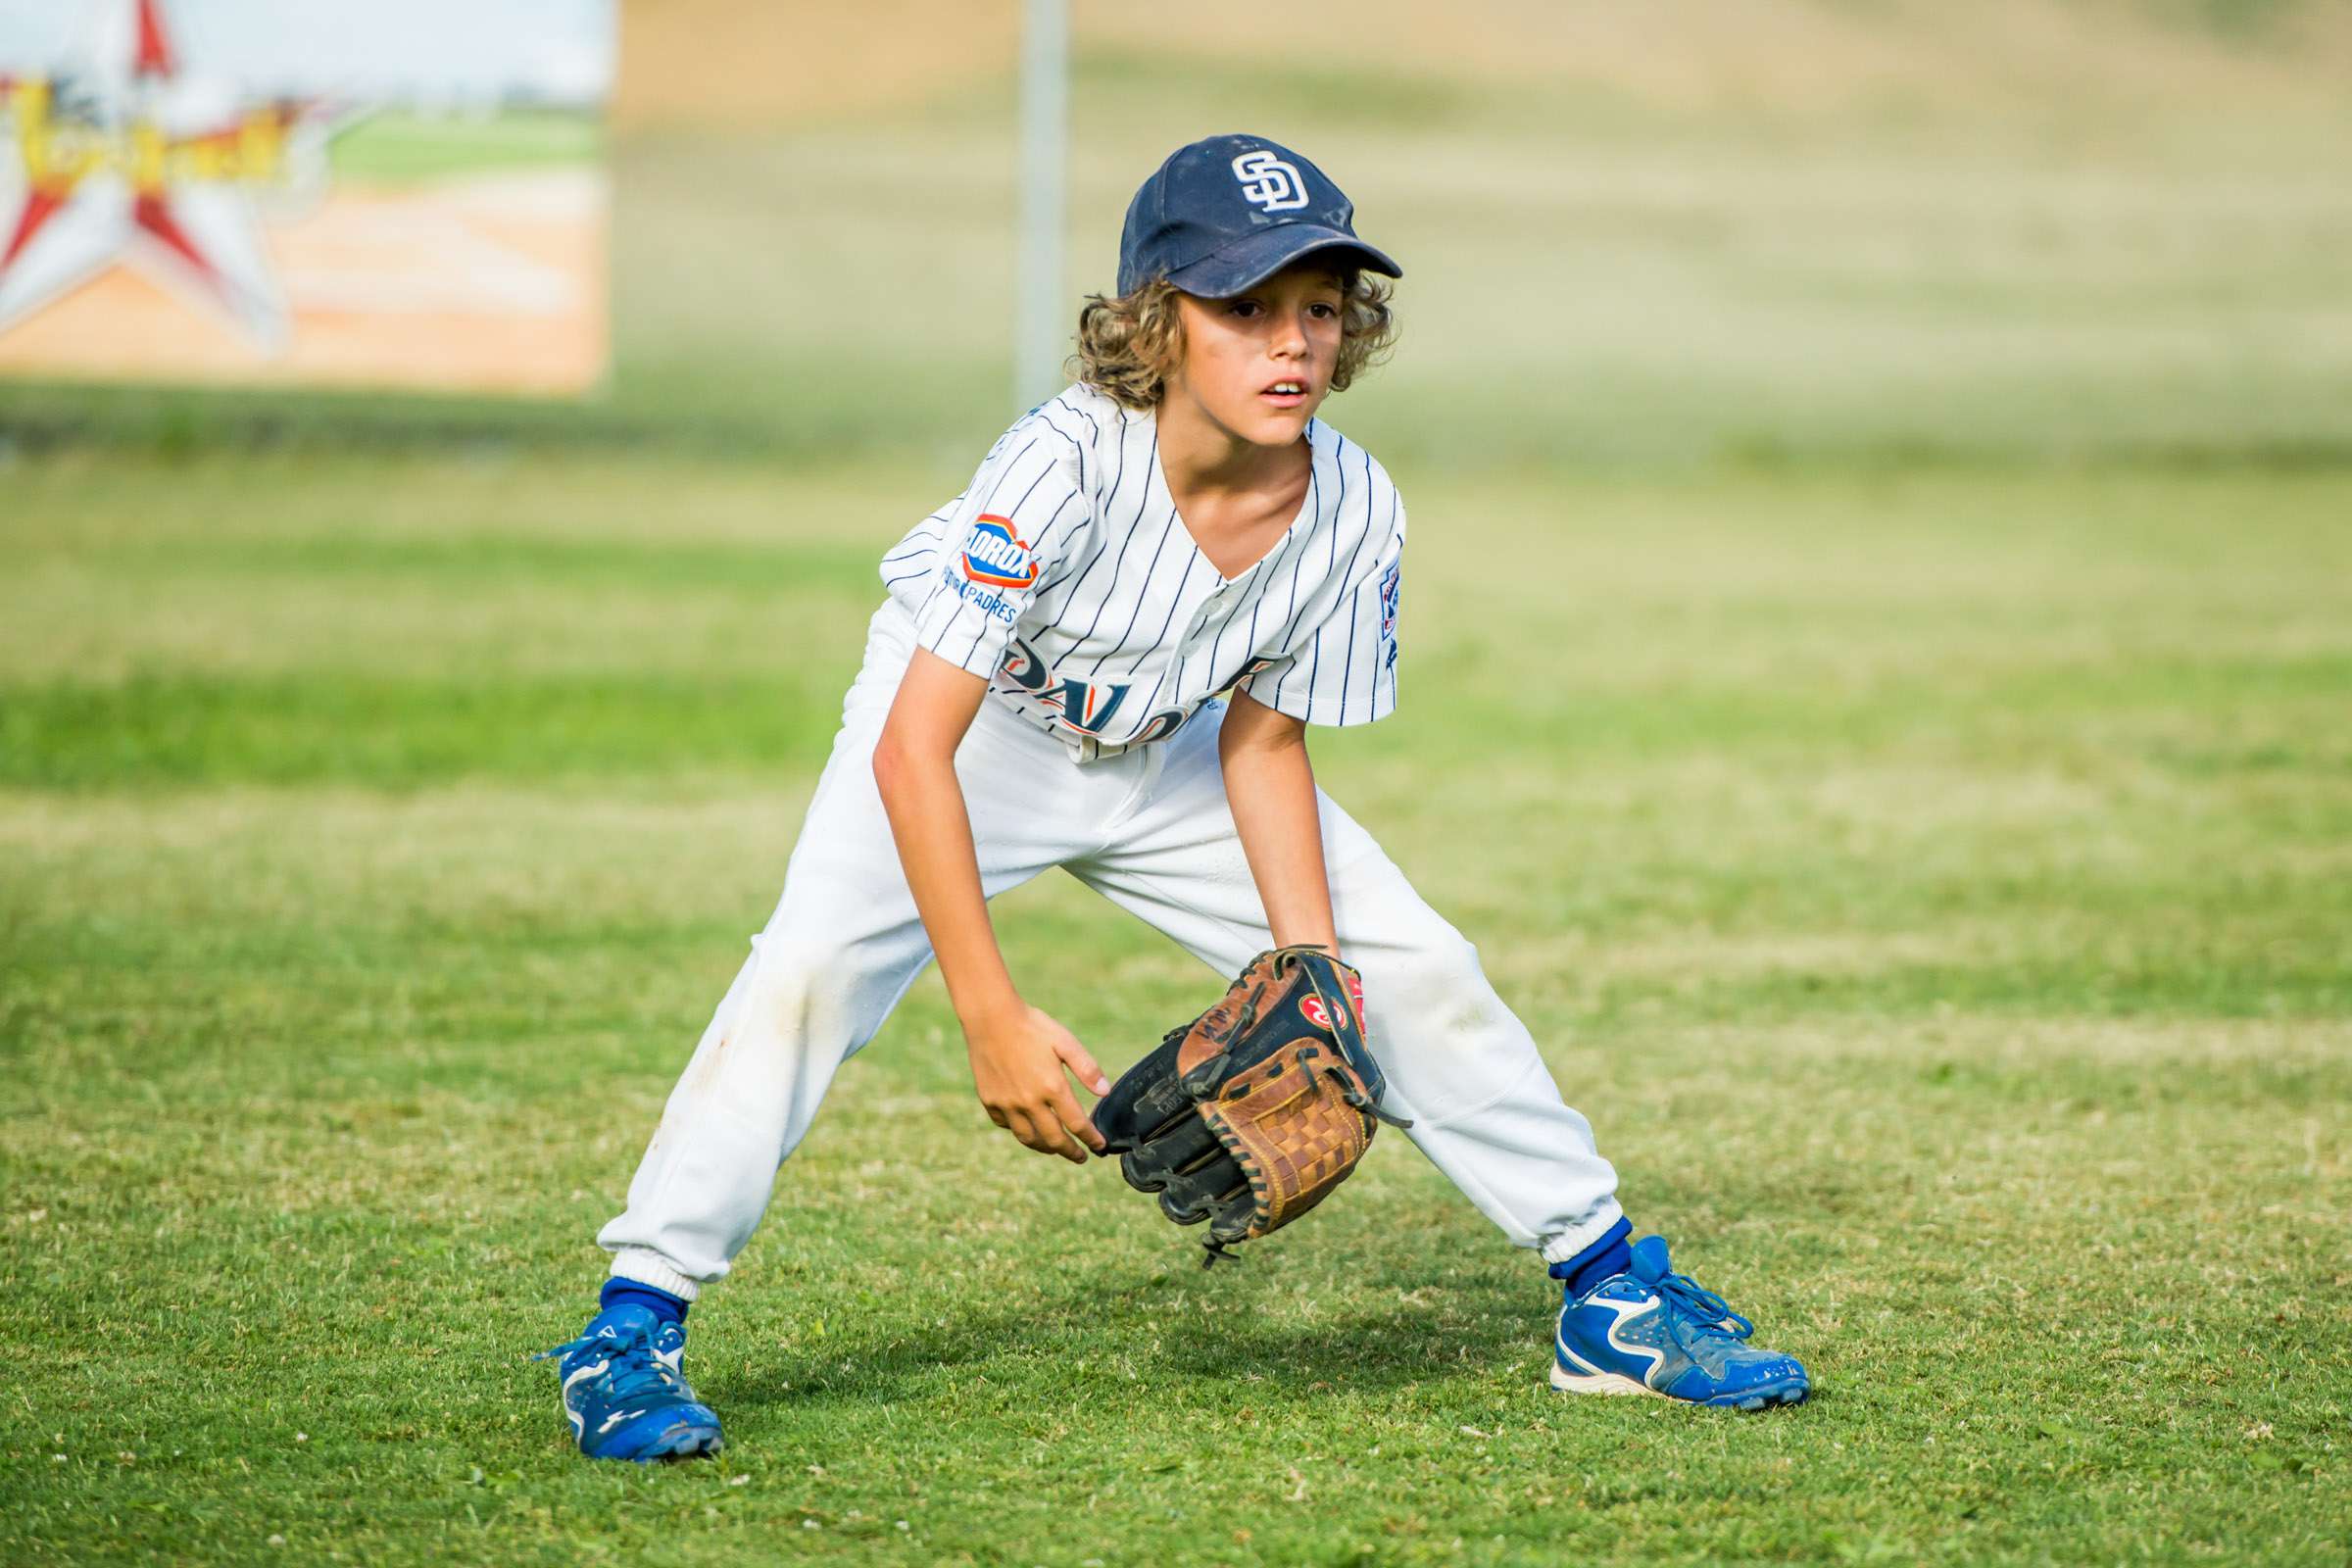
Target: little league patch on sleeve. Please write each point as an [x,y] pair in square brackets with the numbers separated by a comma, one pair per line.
[1391,587]
[994,555]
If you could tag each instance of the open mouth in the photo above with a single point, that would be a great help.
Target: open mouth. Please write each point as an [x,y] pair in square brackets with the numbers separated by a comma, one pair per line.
[1285,394]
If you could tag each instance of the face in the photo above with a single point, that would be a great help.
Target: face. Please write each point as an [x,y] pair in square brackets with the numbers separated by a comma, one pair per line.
[1258,364]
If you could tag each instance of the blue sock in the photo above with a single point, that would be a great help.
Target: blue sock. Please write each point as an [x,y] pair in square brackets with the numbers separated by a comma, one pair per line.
[664,1305]
[1612,1254]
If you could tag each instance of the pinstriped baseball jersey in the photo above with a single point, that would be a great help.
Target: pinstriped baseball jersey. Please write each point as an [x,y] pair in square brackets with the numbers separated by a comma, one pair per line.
[1064,576]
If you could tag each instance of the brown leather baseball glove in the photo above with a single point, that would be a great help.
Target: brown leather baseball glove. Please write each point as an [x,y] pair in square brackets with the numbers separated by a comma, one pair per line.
[1250,1115]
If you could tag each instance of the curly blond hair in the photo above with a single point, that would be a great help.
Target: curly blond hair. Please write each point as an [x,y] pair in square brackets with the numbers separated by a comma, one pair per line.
[1128,344]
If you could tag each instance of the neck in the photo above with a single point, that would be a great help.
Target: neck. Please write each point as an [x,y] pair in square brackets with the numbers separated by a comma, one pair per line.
[1198,453]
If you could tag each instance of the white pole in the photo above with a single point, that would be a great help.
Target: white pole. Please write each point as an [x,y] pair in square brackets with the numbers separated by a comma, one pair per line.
[1040,334]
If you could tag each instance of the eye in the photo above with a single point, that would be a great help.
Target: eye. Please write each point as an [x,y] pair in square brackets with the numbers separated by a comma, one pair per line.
[1325,310]
[1243,307]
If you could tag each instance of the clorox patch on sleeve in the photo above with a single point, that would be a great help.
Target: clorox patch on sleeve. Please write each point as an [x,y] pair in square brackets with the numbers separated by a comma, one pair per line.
[992,553]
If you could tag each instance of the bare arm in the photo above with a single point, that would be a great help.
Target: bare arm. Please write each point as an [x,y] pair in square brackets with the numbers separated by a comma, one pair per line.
[1271,787]
[1018,1051]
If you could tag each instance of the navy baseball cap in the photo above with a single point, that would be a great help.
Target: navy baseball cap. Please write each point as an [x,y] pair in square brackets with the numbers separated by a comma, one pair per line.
[1230,212]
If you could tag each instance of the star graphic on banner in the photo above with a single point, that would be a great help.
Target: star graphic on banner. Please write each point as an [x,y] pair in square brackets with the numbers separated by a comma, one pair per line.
[134,159]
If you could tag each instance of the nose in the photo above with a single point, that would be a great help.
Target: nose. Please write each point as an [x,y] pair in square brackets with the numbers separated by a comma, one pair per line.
[1290,339]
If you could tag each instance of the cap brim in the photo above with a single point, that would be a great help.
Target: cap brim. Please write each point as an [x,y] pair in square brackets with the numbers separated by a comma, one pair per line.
[1254,257]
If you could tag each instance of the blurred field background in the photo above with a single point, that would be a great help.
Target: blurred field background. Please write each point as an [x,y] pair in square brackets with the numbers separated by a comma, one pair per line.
[1876,670]
[1636,234]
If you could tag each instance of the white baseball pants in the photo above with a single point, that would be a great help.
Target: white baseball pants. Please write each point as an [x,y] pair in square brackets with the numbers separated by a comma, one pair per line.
[1150,830]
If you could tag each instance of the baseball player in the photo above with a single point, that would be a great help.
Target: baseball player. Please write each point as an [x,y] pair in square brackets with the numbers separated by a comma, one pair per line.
[1104,657]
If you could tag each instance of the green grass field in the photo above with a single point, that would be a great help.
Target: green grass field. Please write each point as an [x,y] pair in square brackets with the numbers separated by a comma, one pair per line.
[1937,887]
[1877,689]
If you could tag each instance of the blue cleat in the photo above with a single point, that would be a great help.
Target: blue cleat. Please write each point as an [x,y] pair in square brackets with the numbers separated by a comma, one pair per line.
[1649,1330]
[622,1392]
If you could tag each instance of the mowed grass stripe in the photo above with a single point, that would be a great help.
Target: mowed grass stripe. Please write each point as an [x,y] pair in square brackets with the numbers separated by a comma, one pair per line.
[477,562]
[380,730]
[373,727]
[1663,943]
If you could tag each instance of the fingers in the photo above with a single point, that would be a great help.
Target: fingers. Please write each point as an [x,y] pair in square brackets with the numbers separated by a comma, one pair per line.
[1048,1138]
[1067,1110]
[1081,1066]
[1044,1117]
[1041,1128]
[1017,1124]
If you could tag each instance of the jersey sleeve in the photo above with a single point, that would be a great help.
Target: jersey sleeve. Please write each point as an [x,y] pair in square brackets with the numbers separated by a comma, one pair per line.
[1013,522]
[1342,671]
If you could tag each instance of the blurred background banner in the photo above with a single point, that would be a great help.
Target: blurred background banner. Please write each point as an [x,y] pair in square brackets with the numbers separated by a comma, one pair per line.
[405,193]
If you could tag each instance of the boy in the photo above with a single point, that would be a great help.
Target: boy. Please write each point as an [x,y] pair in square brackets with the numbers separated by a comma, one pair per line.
[1104,657]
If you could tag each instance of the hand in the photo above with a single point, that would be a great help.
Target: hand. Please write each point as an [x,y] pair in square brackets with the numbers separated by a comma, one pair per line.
[1018,1059]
